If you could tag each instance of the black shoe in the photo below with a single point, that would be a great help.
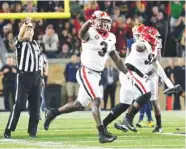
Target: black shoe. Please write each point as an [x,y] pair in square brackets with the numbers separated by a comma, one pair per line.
[158,129]
[7,133]
[121,126]
[49,117]
[108,133]
[104,138]
[32,135]
[129,124]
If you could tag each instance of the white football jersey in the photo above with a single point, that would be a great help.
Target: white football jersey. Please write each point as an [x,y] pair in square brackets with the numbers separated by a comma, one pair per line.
[142,60]
[138,59]
[96,50]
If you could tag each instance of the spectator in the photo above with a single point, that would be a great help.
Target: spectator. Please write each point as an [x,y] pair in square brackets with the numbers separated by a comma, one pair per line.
[6,30]
[124,7]
[119,32]
[70,78]
[161,25]
[9,42]
[179,78]
[75,7]
[9,83]
[65,52]
[110,77]
[30,7]
[179,27]
[50,40]
[155,12]
[140,9]
[118,10]
[106,6]
[5,7]
[183,41]
[128,29]
[89,10]
[117,15]
[176,10]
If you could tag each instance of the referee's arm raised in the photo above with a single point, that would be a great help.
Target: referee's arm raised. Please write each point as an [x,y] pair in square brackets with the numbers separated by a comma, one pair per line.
[23,29]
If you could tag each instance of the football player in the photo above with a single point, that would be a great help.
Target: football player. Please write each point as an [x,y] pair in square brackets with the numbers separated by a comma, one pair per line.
[98,43]
[135,89]
[143,59]
[126,93]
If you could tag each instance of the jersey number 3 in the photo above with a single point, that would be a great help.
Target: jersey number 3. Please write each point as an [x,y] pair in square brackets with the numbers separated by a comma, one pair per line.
[104,49]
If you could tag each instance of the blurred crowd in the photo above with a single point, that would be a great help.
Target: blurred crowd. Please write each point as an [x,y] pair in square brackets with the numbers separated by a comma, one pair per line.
[59,37]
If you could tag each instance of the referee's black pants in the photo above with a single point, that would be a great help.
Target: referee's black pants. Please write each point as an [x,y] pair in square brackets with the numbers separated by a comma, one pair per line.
[9,89]
[28,88]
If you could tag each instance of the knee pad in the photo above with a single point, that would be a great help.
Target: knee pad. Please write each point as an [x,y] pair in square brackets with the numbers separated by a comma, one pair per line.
[143,99]
[119,109]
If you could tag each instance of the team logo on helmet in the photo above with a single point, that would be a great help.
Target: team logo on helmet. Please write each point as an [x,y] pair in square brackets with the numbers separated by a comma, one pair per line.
[102,21]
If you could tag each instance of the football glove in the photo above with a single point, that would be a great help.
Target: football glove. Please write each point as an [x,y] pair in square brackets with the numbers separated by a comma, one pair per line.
[176,89]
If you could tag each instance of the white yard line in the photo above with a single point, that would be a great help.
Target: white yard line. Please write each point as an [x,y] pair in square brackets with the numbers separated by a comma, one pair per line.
[50,144]
[172,134]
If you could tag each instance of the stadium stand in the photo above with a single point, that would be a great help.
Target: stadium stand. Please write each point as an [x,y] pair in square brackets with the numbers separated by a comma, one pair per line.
[167,17]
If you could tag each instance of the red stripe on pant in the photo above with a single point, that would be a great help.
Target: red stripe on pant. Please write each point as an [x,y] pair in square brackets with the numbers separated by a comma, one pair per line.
[88,84]
[139,83]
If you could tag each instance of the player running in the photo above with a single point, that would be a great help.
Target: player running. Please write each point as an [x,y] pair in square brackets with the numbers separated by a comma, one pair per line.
[97,44]
[142,59]
[140,63]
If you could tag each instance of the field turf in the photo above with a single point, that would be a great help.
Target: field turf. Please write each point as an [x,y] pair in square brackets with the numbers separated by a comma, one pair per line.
[77,131]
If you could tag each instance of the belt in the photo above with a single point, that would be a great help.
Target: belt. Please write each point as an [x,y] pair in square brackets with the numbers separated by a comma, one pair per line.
[133,68]
[29,72]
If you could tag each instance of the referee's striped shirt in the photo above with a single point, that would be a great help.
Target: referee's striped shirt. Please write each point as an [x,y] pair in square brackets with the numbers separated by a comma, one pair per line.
[27,54]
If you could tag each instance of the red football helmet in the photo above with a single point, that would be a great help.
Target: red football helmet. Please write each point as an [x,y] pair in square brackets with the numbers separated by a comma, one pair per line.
[101,20]
[137,29]
[151,35]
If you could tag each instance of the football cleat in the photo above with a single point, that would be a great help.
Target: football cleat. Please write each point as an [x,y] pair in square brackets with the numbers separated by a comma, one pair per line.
[107,133]
[129,124]
[49,117]
[105,138]
[157,129]
[121,126]
[150,124]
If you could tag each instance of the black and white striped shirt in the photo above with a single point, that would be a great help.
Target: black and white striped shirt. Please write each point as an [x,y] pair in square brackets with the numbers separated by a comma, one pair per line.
[43,61]
[27,54]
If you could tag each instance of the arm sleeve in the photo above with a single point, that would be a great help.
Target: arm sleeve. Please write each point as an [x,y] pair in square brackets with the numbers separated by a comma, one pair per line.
[158,68]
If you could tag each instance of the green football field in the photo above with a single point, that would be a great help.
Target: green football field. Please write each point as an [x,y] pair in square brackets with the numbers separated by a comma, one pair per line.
[77,130]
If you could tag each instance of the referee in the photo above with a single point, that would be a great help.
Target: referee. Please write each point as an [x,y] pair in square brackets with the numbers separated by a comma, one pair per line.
[28,80]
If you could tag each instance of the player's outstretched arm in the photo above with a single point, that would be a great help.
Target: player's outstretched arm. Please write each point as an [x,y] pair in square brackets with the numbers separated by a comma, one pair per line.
[118,61]
[83,33]
[162,74]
